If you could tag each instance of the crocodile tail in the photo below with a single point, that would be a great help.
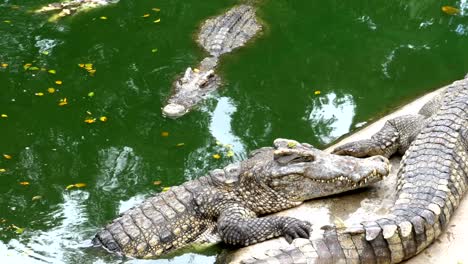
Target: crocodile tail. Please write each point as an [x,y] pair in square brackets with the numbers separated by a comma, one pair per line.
[433,179]
[161,224]
[378,241]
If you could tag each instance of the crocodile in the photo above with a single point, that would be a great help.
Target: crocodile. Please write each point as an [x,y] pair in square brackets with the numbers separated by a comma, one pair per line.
[431,181]
[231,204]
[71,7]
[218,35]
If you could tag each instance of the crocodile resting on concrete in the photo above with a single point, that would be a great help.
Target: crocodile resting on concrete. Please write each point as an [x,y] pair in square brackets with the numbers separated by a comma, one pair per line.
[229,204]
[217,36]
[71,7]
[432,180]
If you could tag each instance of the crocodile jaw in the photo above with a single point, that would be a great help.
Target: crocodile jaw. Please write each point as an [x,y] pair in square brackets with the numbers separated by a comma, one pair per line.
[194,86]
[301,172]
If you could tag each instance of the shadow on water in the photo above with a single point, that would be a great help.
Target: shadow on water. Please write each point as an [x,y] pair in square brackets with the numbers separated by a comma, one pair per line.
[319,71]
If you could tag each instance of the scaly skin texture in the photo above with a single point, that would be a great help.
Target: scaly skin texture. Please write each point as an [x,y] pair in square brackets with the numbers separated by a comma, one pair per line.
[432,180]
[217,36]
[229,204]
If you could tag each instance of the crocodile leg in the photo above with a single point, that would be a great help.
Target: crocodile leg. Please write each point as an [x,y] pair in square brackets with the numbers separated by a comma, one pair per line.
[432,180]
[238,225]
[396,135]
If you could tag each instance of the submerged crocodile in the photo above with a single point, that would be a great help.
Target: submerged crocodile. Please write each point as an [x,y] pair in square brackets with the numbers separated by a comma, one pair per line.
[432,180]
[217,36]
[71,7]
[229,204]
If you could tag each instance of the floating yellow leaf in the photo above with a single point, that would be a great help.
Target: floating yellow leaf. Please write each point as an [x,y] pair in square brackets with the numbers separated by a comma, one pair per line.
[230,153]
[154,50]
[156,9]
[91,94]
[77,185]
[39,94]
[146,15]
[103,118]
[51,90]
[2,170]
[27,65]
[157,182]
[196,70]
[4,65]
[317,92]
[450,10]
[33,68]
[37,197]
[216,156]
[7,156]
[90,120]
[157,20]
[45,52]
[4,115]
[58,82]
[89,113]
[164,134]
[7,21]
[24,183]
[63,102]
[291,144]
[88,67]
[180,144]
[165,189]
[103,18]
[18,230]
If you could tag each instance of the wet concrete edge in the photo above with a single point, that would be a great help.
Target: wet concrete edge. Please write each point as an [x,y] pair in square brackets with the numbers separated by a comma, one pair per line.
[448,248]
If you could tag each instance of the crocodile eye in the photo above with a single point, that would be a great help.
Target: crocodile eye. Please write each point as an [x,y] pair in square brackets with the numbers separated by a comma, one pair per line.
[288,159]
[302,159]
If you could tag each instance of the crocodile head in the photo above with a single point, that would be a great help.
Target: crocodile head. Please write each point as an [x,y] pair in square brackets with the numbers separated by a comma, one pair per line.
[191,88]
[301,172]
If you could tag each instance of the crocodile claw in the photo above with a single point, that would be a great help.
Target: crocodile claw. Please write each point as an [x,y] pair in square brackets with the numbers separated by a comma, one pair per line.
[296,229]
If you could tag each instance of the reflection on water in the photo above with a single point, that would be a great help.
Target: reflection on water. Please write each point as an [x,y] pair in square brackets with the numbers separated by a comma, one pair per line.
[368,21]
[58,244]
[355,52]
[331,116]
[220,126]
[224,142]
[387,69]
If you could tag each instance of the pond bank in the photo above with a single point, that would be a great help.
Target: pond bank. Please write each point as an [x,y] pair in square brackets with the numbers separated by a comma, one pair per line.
[364,204]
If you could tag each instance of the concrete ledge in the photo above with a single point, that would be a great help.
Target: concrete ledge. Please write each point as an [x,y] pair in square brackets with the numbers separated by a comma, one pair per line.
[365,204]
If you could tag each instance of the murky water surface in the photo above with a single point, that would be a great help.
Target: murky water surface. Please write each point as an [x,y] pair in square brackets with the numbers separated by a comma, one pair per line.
[319,70]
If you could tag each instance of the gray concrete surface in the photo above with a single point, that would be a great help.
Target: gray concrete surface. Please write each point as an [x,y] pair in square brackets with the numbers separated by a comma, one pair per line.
[365,204]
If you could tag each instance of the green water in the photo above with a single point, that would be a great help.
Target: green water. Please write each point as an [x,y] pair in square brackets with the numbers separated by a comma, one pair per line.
[365,58]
